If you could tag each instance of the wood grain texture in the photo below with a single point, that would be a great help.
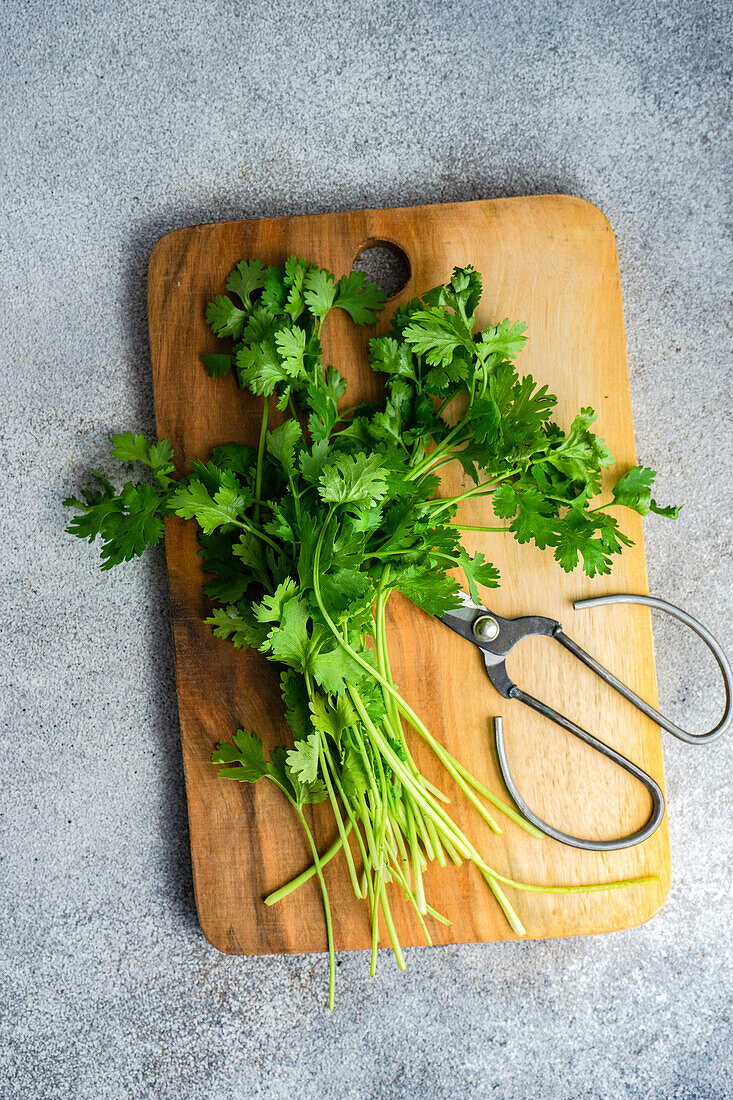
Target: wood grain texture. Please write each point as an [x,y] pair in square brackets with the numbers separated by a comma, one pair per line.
[552,262]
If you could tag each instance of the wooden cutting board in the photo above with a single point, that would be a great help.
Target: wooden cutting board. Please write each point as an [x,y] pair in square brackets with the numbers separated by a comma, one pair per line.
[552,262]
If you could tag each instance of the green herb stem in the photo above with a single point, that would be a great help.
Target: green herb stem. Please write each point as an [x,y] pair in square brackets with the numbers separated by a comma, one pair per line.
[260,457]
[307,875]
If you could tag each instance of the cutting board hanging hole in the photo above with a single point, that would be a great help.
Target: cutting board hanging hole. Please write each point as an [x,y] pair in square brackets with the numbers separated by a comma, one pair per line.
[385,264]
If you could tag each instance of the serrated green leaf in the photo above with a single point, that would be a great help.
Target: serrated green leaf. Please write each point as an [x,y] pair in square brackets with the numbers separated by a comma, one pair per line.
[353,479]
[241,629]
[127,447]
[194,501]
[282,443]
[319,292]
[224,318]
[246,278]
[217,366]
[245,759]
[360,299]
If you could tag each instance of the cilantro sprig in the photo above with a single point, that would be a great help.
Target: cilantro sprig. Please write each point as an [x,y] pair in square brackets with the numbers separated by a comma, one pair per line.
[305,537]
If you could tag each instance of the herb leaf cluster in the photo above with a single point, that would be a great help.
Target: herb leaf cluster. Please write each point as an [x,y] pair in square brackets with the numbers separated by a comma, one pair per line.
[305,537]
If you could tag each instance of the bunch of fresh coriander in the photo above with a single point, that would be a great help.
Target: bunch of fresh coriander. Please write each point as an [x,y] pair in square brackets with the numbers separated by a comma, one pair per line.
[306,536]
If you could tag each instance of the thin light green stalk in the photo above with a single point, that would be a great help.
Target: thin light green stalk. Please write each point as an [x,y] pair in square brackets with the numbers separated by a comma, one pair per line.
[467,776]
[327,910]
[496,801]
[451,852]
[436,791]
[306,876]
[391,929]
[439,916]
[412,810]
[593,888]
[260,457]
[419,888]
[447,760]
[353,822]
[395,763]
[379,892]
[413,902]
[254,531]
[504,903]
[339,819]
[427,463]
[473,527]
[419,794]
[436,843]
[384,668]
[375,859]
[486,487]
[401,704]
[400,840]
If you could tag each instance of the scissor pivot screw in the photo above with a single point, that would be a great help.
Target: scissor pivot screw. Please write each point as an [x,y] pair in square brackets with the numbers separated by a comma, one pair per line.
[486,628]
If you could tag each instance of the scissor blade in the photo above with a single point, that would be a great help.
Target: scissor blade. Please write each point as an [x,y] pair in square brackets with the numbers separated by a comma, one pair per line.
[461,619]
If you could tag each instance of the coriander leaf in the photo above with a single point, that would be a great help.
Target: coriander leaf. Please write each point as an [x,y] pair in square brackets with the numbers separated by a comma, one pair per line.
[391,357]
[271,608]
[536,519]
[282,442]
[193,501]
[260,369]
[335,670]
[577,538]
[633,490]
[247,277]
[322,397]
[300,792]
[333,719]
[129,448]
[462,294]
[485,420]
[160,458]
[319,292]
[354,776]
[303,759]
[361,300]
[343,588]
[353,479]
[582,454]
[133,526]
[435,592]
[99,512]
[290,642]
[669,511]
[504,339]
[478,570]
[274,292]
[261,325]
[437,335]
[237,458]
[290,343]
[217,366]
[295,272]
[239,627]
[247,752]
[297,702]
[224,318]
[311,464]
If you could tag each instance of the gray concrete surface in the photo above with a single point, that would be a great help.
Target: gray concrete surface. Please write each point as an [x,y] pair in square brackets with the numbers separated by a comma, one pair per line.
[125,120]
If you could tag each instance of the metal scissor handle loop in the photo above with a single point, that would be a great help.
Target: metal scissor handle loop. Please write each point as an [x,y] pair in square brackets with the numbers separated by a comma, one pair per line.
[651,785]
[641,704]
[513,692]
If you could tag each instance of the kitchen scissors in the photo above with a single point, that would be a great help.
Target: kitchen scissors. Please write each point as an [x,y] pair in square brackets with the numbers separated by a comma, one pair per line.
[496,637]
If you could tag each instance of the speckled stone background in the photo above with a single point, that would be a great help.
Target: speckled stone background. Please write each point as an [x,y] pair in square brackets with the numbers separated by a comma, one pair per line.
[124,120]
